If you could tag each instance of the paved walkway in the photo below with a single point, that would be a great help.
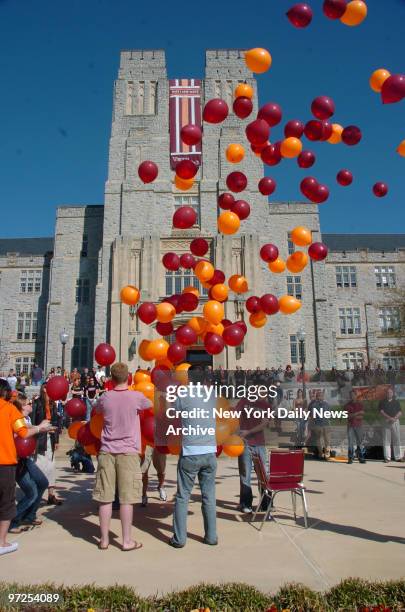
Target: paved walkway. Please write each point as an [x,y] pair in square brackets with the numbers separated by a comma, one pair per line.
[357,528]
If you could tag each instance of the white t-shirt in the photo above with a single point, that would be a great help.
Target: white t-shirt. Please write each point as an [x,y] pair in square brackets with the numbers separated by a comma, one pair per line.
[12,381]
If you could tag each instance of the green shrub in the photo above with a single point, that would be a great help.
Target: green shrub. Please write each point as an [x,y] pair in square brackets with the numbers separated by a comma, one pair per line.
[222,597]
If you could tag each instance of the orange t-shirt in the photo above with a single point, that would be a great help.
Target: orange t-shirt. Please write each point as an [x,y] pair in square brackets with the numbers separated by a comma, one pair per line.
[11,422]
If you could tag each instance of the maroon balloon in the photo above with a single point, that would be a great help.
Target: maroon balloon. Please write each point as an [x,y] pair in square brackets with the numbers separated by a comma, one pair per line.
[344,177]
[269,304]
[306,159]
[334,9]
[308,186]
[323,107]
[148,428]
[320,194]
[164,329]
[271,154]
[199,246]
[176,352]
[225,201]
[393,89]
[258,132]
[267,185]
[314,130]
[186,335]
[187,261]
[218,278]
[213,343]
[147,171]
[236,181]
[271,113]
[160,376]
[25,447]
[257,149]
[226,322]
[351,135]
[57,387]
[380,189]
[327,130]
[188,301]
[186,169]
[219,450]
[215,111]
[84,435]
[184,217]
[253,304]
[269,252]
[191,134]
[104,354]
[241,208]
[242,325]
[171,261]
[294,129]
[242,107]
[318,251]
[233,335]
[174,300]
[146,313]
[300,15]
[75,408]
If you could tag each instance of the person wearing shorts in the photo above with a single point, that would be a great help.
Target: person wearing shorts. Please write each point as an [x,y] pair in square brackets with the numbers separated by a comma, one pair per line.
[152,455]
[119,458]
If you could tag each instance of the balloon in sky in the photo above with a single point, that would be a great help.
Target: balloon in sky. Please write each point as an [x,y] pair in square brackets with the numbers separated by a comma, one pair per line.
[318,251]
[184,217]
[323,107]
[355,13]
[269,252]
[257,132]
[300,15]
[186,169]
[171,261]
[401,148]
[380,189]
[378,79]
[267,185]
[215,111]
[236,181]
[199,246]
[306,159]
[393,89]
[334,9]
[294,128]
[228,222]
[191,134]
[242,107]
[351,135]
[235,153]
[225,201]
[241,208]
[244,90]
[314,130]
[344,177]
[104,354]
[258,60]
[147,171]
[130,295]
[336,135]
[270,112]
[291,147]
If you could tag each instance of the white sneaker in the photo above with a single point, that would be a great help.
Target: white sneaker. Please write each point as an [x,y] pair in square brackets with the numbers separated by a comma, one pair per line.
[162,493]
[144,501]
[8,549]
[246,510]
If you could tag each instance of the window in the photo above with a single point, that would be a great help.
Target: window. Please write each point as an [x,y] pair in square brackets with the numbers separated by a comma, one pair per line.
[350,322]
[177,281]
[30,281]
[27,326]
[188,200]
[385,276]
[129,108]
[152,97]
[85,245]
[295,350]
[24,365]
[390,319]
[82,291]
[80,352]
[294,286]
[353,360]
[291,245]
[394,360]
[217,89]
[346,276]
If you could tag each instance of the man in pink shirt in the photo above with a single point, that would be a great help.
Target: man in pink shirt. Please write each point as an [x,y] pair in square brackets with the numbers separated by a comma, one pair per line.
[119,458]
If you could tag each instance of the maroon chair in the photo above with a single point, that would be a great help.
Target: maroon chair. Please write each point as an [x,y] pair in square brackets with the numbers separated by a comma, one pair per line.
[286,474]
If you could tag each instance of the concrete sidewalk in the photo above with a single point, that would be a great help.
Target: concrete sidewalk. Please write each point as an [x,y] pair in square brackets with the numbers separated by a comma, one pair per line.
[356,518]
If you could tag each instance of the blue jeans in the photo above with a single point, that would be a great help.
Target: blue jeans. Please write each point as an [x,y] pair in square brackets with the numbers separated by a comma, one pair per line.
[188,467]
[33,483]
[245,464]
[356,438]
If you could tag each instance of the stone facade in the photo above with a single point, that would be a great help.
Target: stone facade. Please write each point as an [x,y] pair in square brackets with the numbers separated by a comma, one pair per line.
[97,249]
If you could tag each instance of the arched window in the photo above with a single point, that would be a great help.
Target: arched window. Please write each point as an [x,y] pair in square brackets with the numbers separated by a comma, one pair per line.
[353,360]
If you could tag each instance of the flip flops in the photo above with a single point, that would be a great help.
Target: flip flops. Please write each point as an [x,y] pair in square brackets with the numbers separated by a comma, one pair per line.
[136,546]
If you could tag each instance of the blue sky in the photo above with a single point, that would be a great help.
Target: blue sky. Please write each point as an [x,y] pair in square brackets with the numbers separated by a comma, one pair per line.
[58,61]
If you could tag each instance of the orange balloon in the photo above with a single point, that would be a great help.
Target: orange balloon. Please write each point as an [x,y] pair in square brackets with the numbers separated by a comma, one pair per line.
[258,319]
[147,388]
[258,60]
[301,236]
[204,270]
[74,428]
[183,184]
[164,362]
[401,148]
[238,283]
[289,304]
[277,266]
[180,373]
[213,311]
[214,329]
[234,446]
[157,349]
[198,324]
[142,350]
[91,449]
[355,13]
[336,136]
[219,292]
[141,376]
[378,78]
[235,153]
[165,312]
[96,425]
[291,147]
[191,289]
[222,431]
[244,90]
[174,444]
[130,295]
[228,222]
[297,261]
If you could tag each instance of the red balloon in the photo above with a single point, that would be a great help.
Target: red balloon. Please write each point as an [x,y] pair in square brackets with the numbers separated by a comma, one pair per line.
[171,261]
[269,252]
[186,335]
[269,304]
[351,135]
[242,107]
[233,335]
[226,322]
[320,194]
[267,185]
[186,169]
[258,132]
[241,208]
[75,408]
[57,387]
[219,450]
[147,171]
[214,343]
[242,325]
[215,111]
[308,186]
[393,89]
[148,428]
[174,300]
[146,312]
[85,437]
[294,129]
[236,181]
[344,177]
[104,354]
[380,189]
[218,278]
[199,246]
[300,15]
[160,376]
[271,154]
[306,159]
[334,9]
[318,251]
[187,261]
[191,134]
[176,352]
[187,302]
[164,329]
[314,130]
[184,217]
[323,107]
[327,130]
[253,304]
[258,148]
[25,447]
[225,202]
[271,113]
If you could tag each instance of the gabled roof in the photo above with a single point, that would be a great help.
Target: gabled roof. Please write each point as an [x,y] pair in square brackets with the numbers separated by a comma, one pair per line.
[357,242]
[26,246]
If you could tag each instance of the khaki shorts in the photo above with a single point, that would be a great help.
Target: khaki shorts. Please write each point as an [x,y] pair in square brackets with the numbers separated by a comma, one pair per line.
[153,456]
[122,472]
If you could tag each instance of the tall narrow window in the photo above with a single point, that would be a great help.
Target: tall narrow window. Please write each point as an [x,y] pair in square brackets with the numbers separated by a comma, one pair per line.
[27,326]
[80,352]
[152,97]
[30,281]
[350,322]
[291,245]
[85,245]
[228,93]
[129,107]
[346,276]
[217,89]
[294,286]
[82,291]
[141,98]
[390,319]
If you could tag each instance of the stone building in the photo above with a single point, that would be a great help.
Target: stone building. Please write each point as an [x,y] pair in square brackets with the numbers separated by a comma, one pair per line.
[72,281]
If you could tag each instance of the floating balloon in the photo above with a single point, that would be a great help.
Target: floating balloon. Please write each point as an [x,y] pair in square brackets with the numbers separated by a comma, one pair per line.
[277,266]
[142,375]
[308,186]
[96,425]
[269,252]
[218,278]
[241,208]
[73,430]
[401,148]
[300,15]
[57,387]
[93,449]
[289,304]
[164,329]
[235,153]
[344,178]
[257,132]
[291,147]
[26,447]
[146,313]
[297,261]
[157,349]
[258,60]
[199,324]
[271,154]
[318,251]
[334,9]
[165,312]
[214,329]
[199,246]
[258,319]
[323,107]
[320,194]
[213,311]
[327,131]
[204,270]
[129,295]
[187,261]
[301,236]
[242,107]
[228,222]
[233,335]
[336,135]
[75,408]
[219,292]
[184,217]
[186,169]
[393,89]
[253,304]
[238,283]
[147,171]
[213,343]
[244,90]
[183,184]
[306,159]
[380,189]
[188,302]
[351,135]
[147,388]
[294,128]
[378,79]
[225,201]
[186,335]
[314,130]
[104,354]
[171,261]
[271,113]
[84,435]
[191,134]
[355,13]
[148,429]
[143,350]
[176,352]
[267,186]
[233,446]
[269,304]
[236,181]
[215,111]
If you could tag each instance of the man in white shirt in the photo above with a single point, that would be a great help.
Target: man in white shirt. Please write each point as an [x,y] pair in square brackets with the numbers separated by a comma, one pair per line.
[12,380]
[100,373]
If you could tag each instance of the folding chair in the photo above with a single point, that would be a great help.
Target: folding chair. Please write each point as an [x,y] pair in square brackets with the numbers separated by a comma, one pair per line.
[286,474]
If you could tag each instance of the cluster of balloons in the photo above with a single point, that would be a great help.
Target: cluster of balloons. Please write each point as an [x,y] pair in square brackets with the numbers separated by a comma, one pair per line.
[390,86]
[350,13]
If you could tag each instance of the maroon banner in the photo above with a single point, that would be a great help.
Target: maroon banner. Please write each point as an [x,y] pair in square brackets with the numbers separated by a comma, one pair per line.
[184,108]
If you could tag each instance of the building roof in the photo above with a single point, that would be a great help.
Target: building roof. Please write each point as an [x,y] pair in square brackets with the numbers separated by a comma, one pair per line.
[26,246]
[357,242]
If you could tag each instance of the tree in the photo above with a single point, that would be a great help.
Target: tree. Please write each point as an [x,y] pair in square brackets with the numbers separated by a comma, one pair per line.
[395,299]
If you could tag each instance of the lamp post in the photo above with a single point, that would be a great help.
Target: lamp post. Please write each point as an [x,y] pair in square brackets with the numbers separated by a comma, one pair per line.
[301,339]
[64,338]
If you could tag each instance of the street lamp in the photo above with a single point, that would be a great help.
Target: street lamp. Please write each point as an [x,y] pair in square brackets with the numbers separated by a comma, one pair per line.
[64,338]
[301,339]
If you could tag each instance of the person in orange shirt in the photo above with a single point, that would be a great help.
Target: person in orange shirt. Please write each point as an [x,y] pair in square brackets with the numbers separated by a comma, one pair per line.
[11,423]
